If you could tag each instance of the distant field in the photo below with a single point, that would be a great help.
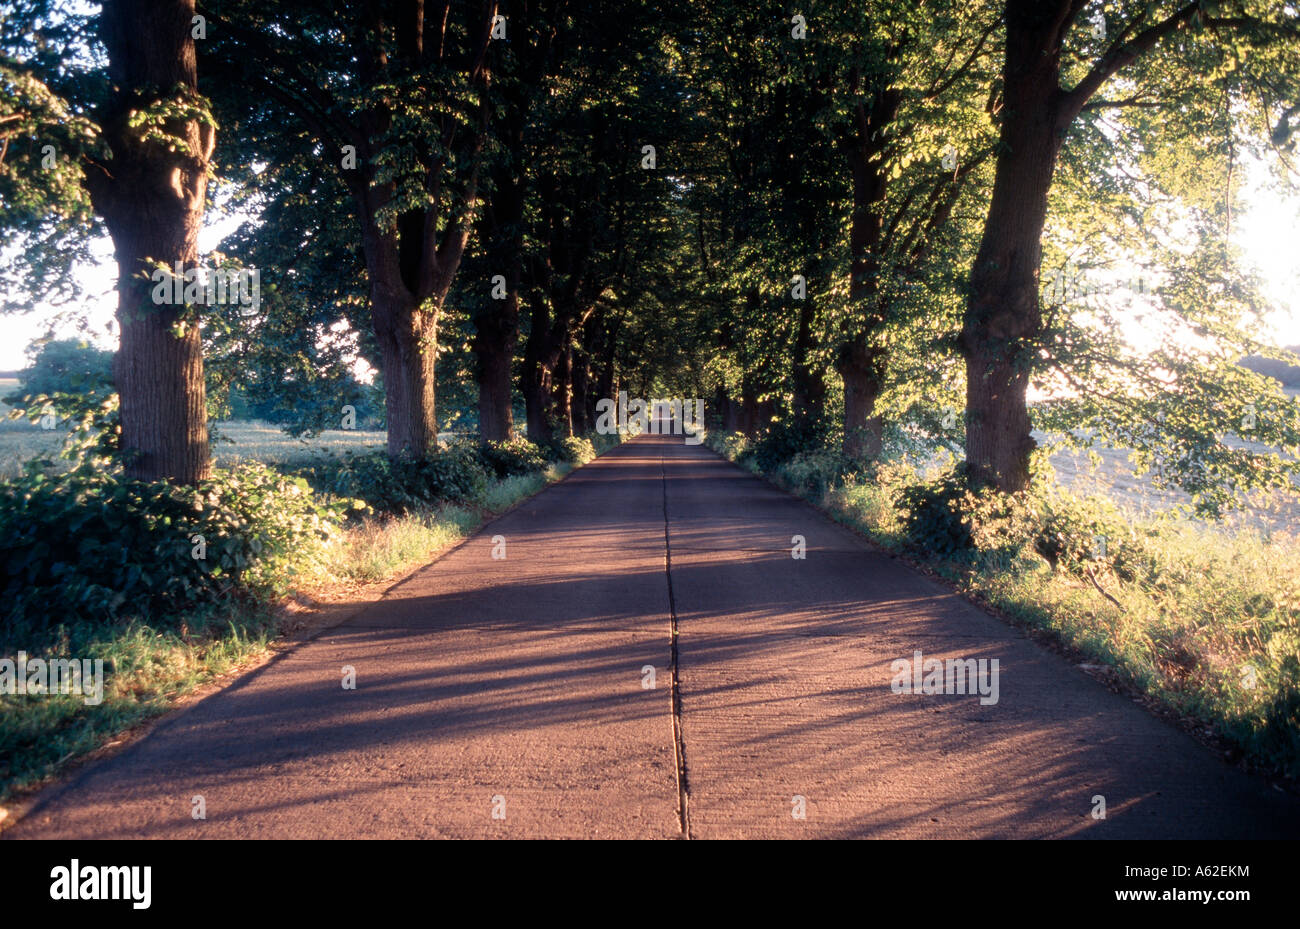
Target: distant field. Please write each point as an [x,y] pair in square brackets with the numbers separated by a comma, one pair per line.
[21,440]
[266,442]
[1114,478]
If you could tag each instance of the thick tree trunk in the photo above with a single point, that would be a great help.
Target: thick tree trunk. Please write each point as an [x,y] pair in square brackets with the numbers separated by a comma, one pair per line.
[494,349]
[808,383]
[581,404]
[152,201]
[497,325]
[158,375]
[537,407]
[731,416]
[860,365]
[1003,318]
[562,385]
[535,378]
[406,337]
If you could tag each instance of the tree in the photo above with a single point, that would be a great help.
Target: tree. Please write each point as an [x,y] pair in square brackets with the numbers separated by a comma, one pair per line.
[391,96]
[1055,65]
[66,366]
[142,134]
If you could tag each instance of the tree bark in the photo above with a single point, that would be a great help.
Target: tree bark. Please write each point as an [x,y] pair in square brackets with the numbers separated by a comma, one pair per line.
[861,361]
[540,353]
[1003,317]
[496,326]
[152,201]
[861,365]
[406,336]
[494,344]
[808,383]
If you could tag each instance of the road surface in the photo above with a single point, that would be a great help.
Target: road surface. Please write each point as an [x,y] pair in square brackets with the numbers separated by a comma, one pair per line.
[649,659]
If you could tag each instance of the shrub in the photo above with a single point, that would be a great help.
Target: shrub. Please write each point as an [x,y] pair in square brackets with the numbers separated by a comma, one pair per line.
[604,442]
[730,445]
[577,450]
[403,485]
[573,450]
[813,473]
[512,457]
[786,439]
[1076,534]
[937,520]
[88,545]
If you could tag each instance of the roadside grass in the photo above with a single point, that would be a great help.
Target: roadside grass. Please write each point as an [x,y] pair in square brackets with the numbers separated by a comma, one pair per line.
[377,548]
[148,669]
[145,671]
[1211,630]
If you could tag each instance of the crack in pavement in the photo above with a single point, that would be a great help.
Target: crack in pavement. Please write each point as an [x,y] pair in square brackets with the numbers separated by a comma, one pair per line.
[679,744]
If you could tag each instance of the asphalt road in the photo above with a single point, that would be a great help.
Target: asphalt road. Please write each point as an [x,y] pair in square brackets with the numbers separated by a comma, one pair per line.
[649,659]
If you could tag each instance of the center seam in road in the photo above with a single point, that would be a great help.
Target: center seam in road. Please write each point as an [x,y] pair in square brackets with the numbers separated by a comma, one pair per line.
[679,745]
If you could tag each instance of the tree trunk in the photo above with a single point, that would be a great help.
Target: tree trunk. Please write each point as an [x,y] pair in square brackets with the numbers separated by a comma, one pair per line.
[749,415]
[152,202]
[808,383]
[581,404]
[562,385]
[494,349]
[497,325]
[535,378]
[1003,317]
[861,362]
[406,336]
[731,416]
[860,366]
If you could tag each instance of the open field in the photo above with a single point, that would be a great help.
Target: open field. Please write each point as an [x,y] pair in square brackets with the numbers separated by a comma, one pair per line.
[1115,479]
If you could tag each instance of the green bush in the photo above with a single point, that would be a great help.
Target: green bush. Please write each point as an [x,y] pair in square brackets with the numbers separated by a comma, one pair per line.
[576,450]
[937,516]
[813,473]
[403,485]
[1078,534]
[730,445]
[785,440]
[88,545]
[603,443]
[512,457]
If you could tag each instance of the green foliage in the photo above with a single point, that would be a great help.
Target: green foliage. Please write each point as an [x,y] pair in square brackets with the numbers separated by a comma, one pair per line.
[788,438]
[574,450]
[88,546]
[516,456]
[1084,535]
[937,520]
[734,446]
[94,436]
[570,450]
[813,473]
[403,485]
[66,366]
